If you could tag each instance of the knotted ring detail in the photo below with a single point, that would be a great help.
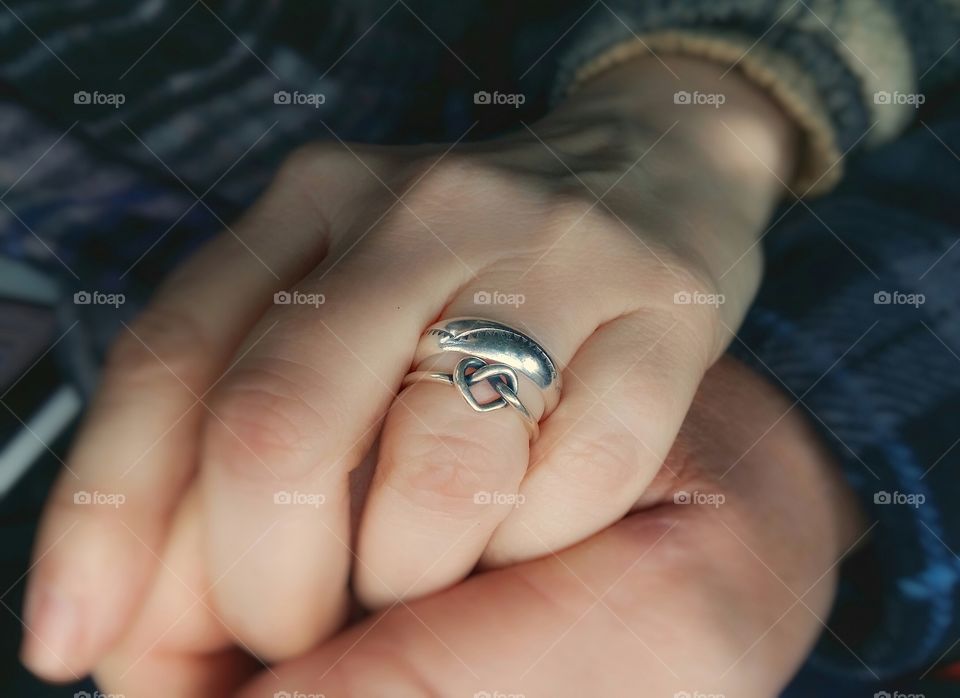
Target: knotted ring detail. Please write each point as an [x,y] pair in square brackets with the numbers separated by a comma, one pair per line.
[493,352]
[500,377]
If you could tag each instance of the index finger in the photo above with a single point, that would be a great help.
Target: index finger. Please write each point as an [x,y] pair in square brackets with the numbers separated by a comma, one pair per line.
[109,511]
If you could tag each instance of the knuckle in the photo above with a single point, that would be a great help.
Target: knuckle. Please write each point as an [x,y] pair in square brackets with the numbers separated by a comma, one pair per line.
[428,187]
[696,334]
[427,216]
[686,303]
[100,516]
[99,542]
[562,217]
[262,428]
[681,279]
[308,162]
[78,504]
[320,176]
[161,347]
[602,464]
[568,209]
[572,209]
[447,473]
[432,181]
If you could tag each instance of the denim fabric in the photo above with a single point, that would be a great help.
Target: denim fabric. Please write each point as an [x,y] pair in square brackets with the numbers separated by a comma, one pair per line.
[859,319]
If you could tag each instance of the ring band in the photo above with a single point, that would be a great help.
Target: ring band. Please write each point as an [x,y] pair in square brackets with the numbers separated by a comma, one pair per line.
[495,343]
[491,373]
[506,358]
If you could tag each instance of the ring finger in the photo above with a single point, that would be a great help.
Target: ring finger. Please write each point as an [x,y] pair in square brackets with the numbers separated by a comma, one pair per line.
[447,475]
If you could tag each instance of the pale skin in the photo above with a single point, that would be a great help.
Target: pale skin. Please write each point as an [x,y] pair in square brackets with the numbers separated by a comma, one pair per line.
[724,595]
[294,396]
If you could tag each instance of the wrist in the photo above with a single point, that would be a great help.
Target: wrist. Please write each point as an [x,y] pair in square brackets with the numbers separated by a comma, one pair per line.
[726,121]
[715,154]
[696,184]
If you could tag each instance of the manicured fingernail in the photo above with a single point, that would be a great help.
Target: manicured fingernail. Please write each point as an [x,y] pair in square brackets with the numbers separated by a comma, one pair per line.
[51,631]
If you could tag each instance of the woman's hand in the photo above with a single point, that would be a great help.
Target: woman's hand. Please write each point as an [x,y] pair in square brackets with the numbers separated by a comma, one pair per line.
[622,227]
[717,585]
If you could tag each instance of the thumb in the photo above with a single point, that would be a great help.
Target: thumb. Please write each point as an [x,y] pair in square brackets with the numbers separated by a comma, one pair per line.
[655,599]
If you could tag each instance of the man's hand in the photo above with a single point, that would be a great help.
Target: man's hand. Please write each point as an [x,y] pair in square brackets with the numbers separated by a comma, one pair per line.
[624,228]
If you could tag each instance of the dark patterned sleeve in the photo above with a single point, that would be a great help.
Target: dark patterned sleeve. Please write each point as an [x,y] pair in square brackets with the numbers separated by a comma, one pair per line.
[849,72]
[859,320]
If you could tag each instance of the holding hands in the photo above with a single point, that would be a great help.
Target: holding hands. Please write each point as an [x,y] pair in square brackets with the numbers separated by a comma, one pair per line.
[623,226]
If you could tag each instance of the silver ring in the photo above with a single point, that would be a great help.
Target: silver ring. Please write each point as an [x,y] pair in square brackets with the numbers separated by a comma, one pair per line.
[501,378]
[495,343]
[506,358]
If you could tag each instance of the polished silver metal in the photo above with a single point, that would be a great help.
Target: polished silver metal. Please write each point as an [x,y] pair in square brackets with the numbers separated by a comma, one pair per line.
[502,378]
[497,344]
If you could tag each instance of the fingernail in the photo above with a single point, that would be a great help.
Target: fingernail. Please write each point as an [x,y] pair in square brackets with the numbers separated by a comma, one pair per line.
[51,631]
